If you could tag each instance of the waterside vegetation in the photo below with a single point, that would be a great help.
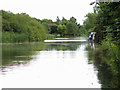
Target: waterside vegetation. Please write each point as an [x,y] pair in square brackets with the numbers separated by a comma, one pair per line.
[105,21]
[23,28]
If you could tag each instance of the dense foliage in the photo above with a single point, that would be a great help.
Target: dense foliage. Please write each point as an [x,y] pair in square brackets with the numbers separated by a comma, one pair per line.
[64,27]
[90,22]
[21,28]
[68,27]
[105,21]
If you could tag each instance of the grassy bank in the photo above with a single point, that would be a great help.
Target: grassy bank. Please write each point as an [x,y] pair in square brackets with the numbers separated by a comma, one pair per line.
[11,37]
[107,61]
[111,55]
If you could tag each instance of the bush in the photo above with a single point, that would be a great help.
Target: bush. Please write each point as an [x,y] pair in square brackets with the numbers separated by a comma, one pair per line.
[111,51]
[21,28]
[50,36]
[10,37]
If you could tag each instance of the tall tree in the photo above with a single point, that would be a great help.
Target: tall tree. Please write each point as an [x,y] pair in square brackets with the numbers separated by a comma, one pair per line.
[62,29]
[57,21]
[72,19]
[72,28]
[90,22]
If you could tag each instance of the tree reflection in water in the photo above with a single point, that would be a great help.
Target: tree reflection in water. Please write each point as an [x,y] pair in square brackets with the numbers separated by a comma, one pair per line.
[108,74]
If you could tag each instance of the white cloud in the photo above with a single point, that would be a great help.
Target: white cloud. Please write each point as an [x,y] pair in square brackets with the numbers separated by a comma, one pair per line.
[49,9]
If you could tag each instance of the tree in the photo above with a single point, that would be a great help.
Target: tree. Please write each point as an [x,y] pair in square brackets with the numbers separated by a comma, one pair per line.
[72,19]
[58,21]
[90,22]
[72,28]
[64,21]
[21,27]
[108,22]
[62,29]
[48,21]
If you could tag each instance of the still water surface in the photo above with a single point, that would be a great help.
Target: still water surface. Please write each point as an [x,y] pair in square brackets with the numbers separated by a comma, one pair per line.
[59,63]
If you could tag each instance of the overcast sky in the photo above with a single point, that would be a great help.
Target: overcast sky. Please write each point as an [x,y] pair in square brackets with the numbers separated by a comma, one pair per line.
[49,9]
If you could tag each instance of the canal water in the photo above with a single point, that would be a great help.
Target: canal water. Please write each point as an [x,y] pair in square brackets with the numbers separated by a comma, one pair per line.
[58,63]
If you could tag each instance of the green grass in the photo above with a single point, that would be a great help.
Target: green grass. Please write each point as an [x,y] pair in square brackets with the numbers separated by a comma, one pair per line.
[10,37]
[111,54]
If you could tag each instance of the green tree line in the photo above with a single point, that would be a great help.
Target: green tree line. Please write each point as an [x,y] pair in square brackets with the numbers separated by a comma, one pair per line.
[64,27]
[69,27]
[23,28]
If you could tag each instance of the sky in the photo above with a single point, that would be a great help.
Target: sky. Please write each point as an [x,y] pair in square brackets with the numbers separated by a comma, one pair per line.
[49,9]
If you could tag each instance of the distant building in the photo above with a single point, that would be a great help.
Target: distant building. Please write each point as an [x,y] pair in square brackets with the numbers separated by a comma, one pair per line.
[52,24]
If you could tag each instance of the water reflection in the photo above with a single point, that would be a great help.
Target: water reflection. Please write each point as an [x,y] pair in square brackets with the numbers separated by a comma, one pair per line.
[18,54]
[49,65]
[108,74]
